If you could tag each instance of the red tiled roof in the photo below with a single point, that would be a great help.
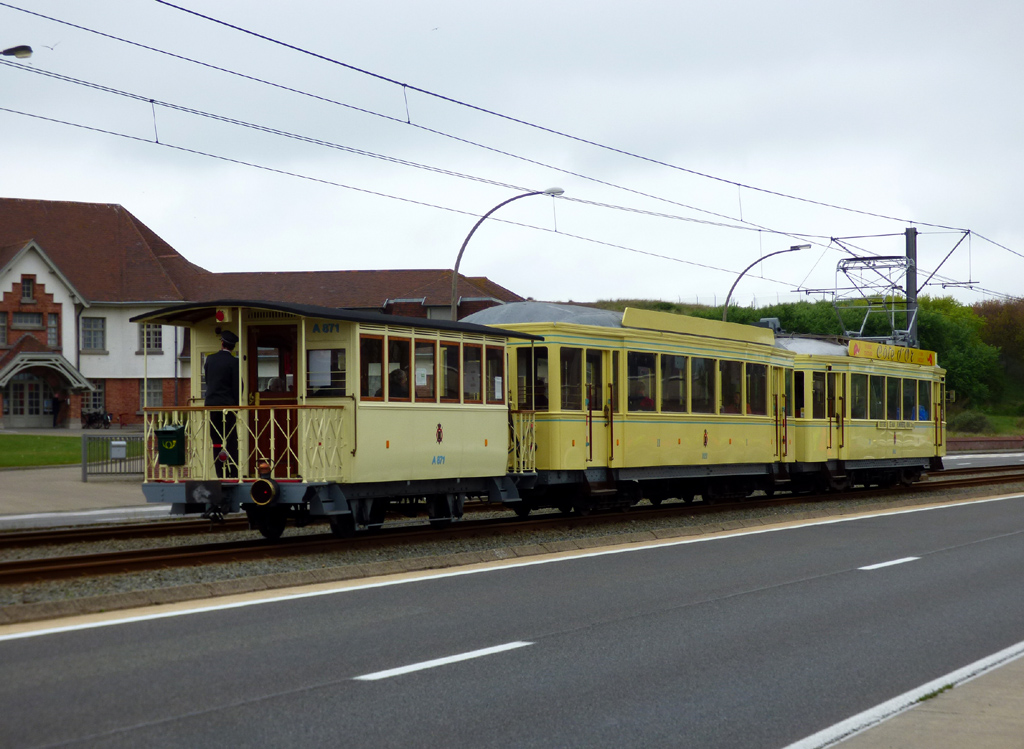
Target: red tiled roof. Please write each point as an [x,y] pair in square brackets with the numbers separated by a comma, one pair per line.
[111,256]
[102,249]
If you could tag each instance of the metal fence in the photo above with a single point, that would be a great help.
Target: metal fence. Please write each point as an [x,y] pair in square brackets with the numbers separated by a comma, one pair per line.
[112,455]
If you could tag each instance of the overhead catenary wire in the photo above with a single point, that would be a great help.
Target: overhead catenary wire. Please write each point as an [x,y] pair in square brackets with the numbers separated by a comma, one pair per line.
[731,221]
[376,193]
[535,126]
[404,162]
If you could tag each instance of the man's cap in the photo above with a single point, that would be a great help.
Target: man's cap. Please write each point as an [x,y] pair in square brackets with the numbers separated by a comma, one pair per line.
[228,337]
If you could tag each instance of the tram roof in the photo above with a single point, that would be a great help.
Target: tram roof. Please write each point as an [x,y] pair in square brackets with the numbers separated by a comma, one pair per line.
[191,312]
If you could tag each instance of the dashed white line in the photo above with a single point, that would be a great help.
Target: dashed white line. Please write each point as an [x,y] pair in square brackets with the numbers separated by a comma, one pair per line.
[441,661]
[889,564]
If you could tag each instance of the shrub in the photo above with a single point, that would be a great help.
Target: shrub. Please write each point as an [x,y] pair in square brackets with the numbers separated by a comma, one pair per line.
[973,422]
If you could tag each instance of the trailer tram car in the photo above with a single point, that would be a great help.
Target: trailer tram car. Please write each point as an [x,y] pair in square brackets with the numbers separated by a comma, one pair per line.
[344,415]
[348,414]
[646,404]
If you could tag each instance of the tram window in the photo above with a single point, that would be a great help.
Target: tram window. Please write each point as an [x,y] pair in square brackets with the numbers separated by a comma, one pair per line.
[702,386]
[616,404]
[450,370]
[472,365]
[757,389]
[732,387]
[673,383]
[495,361]
[859,393]
[571,371]
[594,381]
[425,373]
[799,395]
[789,392]
[909,400]
[876,397]
[325,373]
[371,367]
[640,372]
[892,398]
[817,395]
[398,369]
[924,400]
[532,378]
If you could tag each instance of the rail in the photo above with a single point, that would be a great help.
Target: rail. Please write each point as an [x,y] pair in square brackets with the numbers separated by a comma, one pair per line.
[304,443]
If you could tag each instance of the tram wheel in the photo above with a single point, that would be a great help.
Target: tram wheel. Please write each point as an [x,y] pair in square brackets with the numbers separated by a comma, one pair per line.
[342,526]
[656,501]
[270,523]
[521,509]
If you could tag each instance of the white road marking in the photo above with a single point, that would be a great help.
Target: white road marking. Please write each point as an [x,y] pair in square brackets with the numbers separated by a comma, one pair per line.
[889,564]
[20,631]
[440,661]
[881,713]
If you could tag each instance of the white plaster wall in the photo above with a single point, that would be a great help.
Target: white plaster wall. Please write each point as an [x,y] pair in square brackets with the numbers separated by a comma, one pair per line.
[32,264]
[123,357]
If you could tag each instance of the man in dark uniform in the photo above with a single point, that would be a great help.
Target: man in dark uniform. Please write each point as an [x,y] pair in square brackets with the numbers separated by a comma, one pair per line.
[222,390]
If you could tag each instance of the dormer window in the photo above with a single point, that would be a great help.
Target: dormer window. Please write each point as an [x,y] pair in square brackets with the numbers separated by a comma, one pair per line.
[28,289]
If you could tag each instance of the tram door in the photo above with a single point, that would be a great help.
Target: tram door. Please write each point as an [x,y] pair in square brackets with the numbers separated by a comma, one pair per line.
[836,394]
[781,408]
[598,407]
[273,386]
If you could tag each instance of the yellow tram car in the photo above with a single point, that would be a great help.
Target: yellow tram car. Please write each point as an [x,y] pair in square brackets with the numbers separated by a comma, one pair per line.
[346,414]
[343,414]
[646,404]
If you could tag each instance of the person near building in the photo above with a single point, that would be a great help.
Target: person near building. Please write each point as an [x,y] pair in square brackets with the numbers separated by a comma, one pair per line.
[222,389]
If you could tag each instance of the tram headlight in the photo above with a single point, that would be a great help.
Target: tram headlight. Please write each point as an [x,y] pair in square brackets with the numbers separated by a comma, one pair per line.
[264,491]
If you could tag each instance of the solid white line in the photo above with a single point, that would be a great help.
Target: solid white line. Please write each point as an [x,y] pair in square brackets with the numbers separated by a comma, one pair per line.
[347,588]
[889,564]
[880,713]
[440,661]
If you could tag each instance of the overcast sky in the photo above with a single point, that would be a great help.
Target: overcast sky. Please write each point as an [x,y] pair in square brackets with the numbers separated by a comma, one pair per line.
[706,114]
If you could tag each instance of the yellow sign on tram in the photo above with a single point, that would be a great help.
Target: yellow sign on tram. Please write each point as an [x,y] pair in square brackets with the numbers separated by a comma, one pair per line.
[885,352]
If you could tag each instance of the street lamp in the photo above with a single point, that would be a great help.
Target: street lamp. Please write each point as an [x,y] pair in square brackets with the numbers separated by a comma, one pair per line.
[21,51]
[794,248]
[552,191]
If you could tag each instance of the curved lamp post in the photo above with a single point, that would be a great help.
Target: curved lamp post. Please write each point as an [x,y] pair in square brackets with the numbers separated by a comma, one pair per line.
[21,51]
[553,191]
[794,248]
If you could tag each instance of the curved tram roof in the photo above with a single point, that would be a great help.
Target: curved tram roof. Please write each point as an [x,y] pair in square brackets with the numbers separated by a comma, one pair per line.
[192,312]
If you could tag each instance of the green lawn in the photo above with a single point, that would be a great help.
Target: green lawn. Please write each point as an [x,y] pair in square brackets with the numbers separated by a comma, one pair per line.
[18,450]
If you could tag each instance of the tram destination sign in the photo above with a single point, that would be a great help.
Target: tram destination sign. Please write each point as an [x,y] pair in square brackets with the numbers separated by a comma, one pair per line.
[885,352]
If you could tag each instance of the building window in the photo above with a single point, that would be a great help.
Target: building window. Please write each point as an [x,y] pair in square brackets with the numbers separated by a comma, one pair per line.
[27,320]
[94,334]
[95,401]
[28,289]
[3,328]
[52,330]
[151,393]
[150,337]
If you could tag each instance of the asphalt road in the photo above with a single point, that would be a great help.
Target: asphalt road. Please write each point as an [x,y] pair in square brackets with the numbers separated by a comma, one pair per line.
[755,640]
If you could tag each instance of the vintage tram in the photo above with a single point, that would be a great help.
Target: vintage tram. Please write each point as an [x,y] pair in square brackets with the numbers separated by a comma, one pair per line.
[348,414]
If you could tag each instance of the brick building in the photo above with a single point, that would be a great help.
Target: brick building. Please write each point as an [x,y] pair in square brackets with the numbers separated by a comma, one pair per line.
[72,274]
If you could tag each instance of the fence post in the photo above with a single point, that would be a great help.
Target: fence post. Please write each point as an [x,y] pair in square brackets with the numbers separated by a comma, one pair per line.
[85,457]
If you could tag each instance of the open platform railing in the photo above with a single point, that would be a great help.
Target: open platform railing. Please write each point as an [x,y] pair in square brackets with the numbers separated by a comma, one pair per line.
[297,443]
[522,448]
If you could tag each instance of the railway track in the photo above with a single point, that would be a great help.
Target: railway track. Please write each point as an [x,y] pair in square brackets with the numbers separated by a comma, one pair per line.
[63,567]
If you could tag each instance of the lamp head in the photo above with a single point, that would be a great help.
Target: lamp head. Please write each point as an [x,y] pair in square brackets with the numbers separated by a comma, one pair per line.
[554,191]
[22,51]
